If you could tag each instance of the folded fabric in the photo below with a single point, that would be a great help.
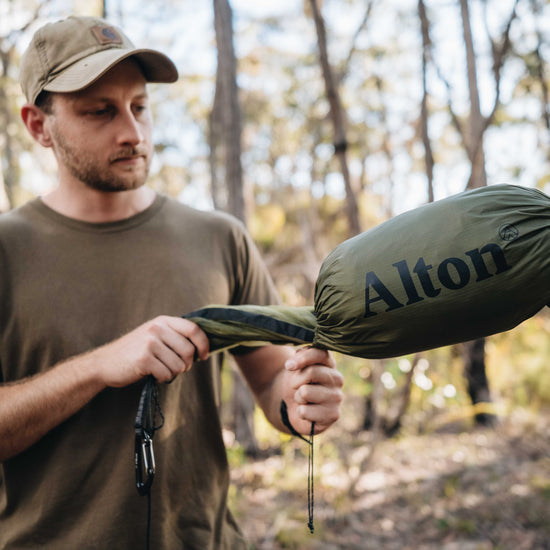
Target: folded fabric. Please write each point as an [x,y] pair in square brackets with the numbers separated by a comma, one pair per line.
[461,268]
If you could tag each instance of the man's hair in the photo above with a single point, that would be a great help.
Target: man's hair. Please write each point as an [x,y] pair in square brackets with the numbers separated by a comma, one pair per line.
[45,102]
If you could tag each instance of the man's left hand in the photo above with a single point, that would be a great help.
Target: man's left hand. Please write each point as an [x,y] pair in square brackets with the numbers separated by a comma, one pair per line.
[313,390]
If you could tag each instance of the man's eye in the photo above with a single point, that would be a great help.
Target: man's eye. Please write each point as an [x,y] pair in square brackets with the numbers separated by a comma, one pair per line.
[100,112]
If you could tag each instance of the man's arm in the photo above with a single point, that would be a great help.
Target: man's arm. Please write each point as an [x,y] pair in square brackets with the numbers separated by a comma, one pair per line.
[306,379]
[30,408]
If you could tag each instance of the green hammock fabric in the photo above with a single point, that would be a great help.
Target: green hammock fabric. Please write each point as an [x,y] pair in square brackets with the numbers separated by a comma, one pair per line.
[249,325]
[454,270]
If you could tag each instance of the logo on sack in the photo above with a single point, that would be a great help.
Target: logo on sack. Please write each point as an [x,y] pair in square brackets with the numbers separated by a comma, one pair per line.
[425,281]
[508,232]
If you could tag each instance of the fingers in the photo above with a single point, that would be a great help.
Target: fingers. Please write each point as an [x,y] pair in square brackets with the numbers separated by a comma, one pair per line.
[317,386]
[310,356]
[313,366]
[181,336]
[175,343]
[320,406]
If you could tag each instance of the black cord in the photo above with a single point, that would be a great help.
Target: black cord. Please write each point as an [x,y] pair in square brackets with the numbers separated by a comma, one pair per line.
[310,479]
[145,427]
[310,495]
[148,534]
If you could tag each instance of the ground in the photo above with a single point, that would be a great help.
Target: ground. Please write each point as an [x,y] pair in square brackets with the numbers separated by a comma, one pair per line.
[453,488]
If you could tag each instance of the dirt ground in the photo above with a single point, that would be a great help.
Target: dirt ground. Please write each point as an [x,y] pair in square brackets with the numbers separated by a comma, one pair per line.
[455,488]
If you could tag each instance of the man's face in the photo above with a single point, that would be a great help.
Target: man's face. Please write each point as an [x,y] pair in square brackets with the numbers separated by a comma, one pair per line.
[102,135]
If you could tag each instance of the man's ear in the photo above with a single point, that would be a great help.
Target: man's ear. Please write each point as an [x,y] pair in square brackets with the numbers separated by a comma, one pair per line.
[34,119]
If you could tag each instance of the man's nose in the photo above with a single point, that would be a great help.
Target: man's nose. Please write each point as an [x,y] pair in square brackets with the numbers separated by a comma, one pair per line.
[129,131]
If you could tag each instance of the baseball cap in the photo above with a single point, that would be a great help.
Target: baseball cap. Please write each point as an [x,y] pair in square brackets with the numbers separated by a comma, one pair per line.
[71,54]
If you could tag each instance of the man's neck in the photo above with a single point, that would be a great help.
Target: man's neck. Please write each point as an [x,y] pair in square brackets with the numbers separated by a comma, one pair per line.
[99,206]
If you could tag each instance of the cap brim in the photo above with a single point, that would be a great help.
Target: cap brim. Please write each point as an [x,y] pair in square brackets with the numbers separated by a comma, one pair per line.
[156,67]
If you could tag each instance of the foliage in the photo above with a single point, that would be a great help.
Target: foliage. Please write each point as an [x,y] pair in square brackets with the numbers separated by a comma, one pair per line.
[427,484]
[294,190]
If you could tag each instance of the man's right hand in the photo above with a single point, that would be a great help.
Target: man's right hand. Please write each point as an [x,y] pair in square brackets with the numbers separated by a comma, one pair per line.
[163,347]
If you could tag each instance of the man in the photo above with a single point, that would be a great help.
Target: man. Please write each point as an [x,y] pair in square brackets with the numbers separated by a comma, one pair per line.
[80,268]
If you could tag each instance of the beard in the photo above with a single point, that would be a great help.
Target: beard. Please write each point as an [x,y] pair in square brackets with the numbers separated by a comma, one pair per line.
[83,166]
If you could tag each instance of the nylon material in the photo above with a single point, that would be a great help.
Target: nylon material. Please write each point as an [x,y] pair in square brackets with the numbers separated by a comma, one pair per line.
[537,248]
[300,316]
[531,257]
[252,325]
[224,336]
[428,324]
[498,304]
[465,267]
[344,300]
[371,345]
[340,285]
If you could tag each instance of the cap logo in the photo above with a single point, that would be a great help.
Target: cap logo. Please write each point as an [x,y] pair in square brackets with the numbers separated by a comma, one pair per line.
[106,35]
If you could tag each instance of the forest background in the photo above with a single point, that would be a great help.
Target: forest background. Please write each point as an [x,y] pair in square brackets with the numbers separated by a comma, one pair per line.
[312,121]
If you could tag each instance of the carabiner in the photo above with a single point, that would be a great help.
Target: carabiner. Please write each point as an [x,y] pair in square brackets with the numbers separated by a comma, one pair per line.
[144,456]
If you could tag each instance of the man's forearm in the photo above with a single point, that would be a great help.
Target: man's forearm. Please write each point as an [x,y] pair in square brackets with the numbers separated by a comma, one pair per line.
[30,408]
[163,347]
[263,369]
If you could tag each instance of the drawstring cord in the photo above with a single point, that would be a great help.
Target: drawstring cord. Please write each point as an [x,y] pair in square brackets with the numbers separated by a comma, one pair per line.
[310,479]
[145,427]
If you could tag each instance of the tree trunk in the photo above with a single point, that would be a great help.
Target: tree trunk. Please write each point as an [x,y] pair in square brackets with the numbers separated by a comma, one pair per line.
[478,386]
[8,154]
[372,419]
[7,161]
[393,421]
[426,45]
[472,135]
[219,194]
[390,421]
[227,110]
[474,360]
[225,135]
[338,122]
[474,138]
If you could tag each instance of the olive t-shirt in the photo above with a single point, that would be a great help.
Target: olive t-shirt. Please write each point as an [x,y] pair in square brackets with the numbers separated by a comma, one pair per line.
[67,287]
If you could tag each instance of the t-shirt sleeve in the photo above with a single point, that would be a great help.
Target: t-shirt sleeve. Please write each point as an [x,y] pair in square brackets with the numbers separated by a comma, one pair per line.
[252,282]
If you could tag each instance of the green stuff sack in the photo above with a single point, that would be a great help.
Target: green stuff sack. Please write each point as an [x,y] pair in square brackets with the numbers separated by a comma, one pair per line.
[454,270]
[461,268]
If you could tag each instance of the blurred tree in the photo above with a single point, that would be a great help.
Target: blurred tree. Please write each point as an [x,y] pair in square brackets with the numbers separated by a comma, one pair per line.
[472,132]
[337,116]
[225,163]
[9,121]
[424,115]
[225,120]
[472,136]
[9,163]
